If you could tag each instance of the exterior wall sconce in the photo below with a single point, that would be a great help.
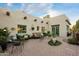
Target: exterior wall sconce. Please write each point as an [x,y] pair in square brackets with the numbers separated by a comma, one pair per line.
[4,30]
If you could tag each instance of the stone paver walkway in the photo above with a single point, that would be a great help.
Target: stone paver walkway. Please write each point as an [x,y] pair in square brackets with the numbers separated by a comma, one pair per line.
[39,47]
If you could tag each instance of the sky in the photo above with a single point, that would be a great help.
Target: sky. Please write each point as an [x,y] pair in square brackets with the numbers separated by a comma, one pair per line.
[71,10]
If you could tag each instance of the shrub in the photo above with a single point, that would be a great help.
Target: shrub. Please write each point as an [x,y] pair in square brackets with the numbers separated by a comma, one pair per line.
[47,33]
[19,37]
[4,34]
[3,39]
[73,41]
[68,34]
[77,36]
[52,43]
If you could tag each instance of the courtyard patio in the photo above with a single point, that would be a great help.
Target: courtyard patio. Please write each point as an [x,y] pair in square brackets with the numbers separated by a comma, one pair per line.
[37,47]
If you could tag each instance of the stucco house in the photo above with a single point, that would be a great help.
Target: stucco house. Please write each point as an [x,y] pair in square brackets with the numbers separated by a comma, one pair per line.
[58,25]
[23,23]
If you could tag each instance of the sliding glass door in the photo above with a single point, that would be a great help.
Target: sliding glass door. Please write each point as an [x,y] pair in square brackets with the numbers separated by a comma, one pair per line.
[55,30]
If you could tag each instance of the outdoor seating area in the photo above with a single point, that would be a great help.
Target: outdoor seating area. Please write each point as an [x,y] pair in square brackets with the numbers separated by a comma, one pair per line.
[37,47]
[14,40]
[36,36]
[15,45]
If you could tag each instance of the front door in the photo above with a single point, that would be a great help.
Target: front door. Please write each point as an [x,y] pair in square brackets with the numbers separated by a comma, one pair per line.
[55,30]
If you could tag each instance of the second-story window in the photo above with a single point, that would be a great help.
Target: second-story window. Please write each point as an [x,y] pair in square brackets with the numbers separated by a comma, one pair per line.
[35,20]
[41,21]
[25,17]
[46,22]
[8,13]
[22,28]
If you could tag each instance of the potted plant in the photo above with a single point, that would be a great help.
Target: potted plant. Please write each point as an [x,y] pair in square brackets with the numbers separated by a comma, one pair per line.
[4,33]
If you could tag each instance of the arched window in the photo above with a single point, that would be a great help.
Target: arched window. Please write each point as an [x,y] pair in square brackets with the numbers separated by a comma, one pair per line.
[25,17]
[8,13]
[41,21]
[46,22]
[35,20]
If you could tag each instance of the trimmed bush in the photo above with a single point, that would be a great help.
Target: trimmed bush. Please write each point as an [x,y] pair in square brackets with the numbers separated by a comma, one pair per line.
[4,34]
[52,43]
[48,33]
[73,41]
[19,37]
[45,34]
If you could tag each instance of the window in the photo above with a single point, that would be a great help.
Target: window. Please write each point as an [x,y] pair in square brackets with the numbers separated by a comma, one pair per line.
[43,29]
[46,22]
[41,21]
[22,28]
[37,28]
[25,17]
[55,30]
[35,20]
[33,28]
[8,13]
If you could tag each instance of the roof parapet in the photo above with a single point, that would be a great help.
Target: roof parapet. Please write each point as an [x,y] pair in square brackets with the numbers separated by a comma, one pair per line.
[47,16]
[68,21]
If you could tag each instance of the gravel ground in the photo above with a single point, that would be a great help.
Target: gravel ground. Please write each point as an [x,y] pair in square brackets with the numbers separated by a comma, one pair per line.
[37,47]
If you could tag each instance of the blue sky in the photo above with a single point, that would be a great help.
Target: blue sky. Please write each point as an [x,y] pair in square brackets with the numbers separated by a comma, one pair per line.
[40,9]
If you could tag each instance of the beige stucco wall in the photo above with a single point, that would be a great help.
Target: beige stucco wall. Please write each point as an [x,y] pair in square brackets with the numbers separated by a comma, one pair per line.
[61,21]
[16,17]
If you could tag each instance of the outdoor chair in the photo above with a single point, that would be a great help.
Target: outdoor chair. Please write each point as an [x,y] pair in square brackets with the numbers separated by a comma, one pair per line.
[36,35]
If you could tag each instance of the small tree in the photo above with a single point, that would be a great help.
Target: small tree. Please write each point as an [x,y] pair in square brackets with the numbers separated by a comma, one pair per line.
[4,33]
[77,25]
[74,30]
